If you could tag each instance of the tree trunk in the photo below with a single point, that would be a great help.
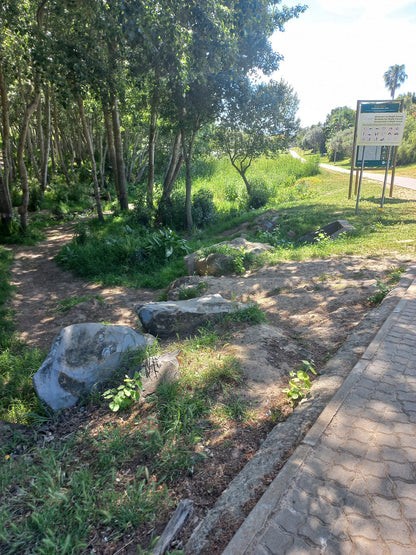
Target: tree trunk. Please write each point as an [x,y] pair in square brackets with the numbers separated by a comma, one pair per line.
[111,148]
[242,171]
[121,171]
[187,153]
[21,166]
[141,167]
[135,156]
[103,157]
[46,142]
[32,155]
[6,208]
[151,149]
[173,169]
[58,141]
[93,164]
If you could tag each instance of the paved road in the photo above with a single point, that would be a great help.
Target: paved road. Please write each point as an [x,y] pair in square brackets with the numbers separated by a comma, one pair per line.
[406,182]
[350,487]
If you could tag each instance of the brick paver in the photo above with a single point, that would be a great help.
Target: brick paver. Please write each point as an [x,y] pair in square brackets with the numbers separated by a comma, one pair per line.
[351,486]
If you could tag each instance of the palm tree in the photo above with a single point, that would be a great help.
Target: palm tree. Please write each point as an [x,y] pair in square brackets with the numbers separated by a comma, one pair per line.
[394,77]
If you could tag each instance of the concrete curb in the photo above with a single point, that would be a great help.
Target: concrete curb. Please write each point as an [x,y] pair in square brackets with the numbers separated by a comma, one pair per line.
[288,435]
[257,519]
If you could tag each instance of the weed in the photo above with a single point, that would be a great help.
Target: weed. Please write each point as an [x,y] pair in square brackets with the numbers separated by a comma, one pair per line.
[235,408]
[300,382]
[67,304]
[251,315]
[224,373]
[376,298]
[395,275]
[124,395]
[192,292]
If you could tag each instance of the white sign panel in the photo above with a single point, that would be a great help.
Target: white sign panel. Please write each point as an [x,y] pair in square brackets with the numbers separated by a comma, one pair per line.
[380,128]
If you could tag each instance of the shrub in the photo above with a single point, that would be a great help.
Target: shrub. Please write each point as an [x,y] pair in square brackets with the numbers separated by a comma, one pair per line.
[231,193]
[203,208]
[172,213]
[259,194]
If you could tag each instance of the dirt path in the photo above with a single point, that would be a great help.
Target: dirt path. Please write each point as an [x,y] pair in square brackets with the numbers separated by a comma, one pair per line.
[41,285]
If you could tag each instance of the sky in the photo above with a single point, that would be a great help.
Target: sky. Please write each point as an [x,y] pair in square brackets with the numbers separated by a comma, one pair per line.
[337,52]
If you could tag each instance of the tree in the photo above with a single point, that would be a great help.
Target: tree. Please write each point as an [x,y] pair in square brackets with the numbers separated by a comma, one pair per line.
[406,153]
[340,145]
[337,120]
[257,120]
[314,139]
[394,77]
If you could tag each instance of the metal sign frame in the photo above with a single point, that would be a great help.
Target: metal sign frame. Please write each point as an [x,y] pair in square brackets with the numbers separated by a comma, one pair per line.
[377,123]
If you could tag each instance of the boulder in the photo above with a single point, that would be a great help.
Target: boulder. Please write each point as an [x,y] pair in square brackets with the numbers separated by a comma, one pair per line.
[218,263]
[166,319]
[159,369]
[332,230]
[81,356]
[268,221]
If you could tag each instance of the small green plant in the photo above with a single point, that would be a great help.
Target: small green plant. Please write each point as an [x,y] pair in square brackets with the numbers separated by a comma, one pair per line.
[67,304]
[376,298]
[300,382]
[192,292]
[322,238]
[395,275]
[124,395]
[252,315]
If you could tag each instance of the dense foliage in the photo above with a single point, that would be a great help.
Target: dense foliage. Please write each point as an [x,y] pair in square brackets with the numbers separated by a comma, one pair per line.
[112,95]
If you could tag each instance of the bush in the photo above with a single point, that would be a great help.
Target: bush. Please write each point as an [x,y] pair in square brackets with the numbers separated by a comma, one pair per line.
[231,193]
[259,194]
[172,213]
[203,208]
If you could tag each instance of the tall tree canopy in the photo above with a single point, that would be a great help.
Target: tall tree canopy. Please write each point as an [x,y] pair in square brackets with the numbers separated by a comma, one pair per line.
[394,77]
[98,87]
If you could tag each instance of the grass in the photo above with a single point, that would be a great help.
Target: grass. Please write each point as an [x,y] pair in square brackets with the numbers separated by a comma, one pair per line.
[406,170]
[118,475]
[66,304]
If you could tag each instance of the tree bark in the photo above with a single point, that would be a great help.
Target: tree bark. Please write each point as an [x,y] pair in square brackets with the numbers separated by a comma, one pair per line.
[58,141]
[175,164]
[6,208]
[93,164]
[21,166]
[32,155]
[111,147]
[121,170]
[46,142]
[187,153]
[151,149]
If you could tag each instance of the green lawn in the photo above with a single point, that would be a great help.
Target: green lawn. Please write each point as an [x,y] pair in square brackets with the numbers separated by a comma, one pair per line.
[408,170]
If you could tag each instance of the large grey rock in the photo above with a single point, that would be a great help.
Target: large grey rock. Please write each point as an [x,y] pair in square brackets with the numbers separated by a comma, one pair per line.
[81,356]
[169,318]
[218,263]
[332,230]
[159,369]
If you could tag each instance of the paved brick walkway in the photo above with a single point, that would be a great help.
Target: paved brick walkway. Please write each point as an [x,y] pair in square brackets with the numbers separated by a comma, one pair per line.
[350,487]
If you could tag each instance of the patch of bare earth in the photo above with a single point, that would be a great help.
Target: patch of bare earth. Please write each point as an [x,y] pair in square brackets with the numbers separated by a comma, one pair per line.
[311,307]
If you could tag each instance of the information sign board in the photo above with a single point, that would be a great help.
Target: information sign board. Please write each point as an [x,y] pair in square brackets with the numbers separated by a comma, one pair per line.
[375,156]
[380,128]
